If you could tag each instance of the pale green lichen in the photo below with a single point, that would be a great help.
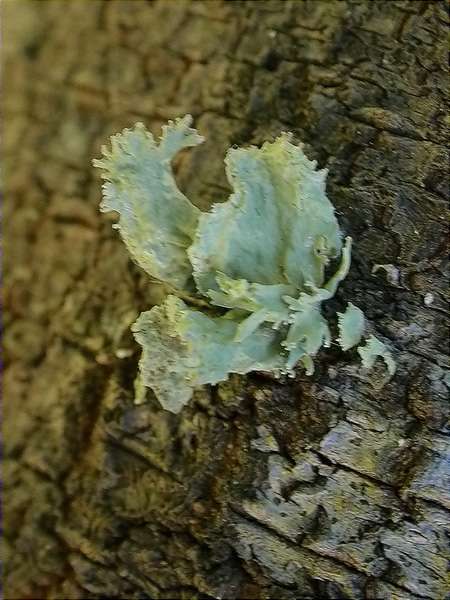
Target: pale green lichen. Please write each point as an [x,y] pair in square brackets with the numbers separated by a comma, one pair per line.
[157,222]
[254,264]
[375,349]
[184,348]
[351,326]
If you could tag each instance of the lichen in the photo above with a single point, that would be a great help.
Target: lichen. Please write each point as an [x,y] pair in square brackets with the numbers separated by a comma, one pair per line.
[374,349]
[246,280]
[157,222]
[351,326]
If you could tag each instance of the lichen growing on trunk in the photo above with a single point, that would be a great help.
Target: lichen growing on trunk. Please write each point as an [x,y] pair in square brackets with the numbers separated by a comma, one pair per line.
[257,261]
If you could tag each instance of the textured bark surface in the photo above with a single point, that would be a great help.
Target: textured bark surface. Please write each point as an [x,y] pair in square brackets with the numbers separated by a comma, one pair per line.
[321,487]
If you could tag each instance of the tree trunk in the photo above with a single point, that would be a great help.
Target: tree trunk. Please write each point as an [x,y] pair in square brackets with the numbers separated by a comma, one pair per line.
[325,487]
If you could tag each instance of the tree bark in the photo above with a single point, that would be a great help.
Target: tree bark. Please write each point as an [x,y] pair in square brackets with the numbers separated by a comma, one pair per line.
[325,487]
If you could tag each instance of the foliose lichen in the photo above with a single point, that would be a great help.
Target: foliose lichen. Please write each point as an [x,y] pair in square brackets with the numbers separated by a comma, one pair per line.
[247,279]
[351,326]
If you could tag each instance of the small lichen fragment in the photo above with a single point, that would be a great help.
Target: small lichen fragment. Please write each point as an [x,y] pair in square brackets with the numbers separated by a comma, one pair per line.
[351,326]
[247,279]
[374,349]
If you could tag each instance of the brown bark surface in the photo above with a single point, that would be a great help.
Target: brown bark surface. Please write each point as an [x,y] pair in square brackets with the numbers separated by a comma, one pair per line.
[323,487]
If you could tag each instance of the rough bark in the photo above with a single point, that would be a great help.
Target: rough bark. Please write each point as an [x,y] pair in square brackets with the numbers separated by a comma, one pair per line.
[322,487]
